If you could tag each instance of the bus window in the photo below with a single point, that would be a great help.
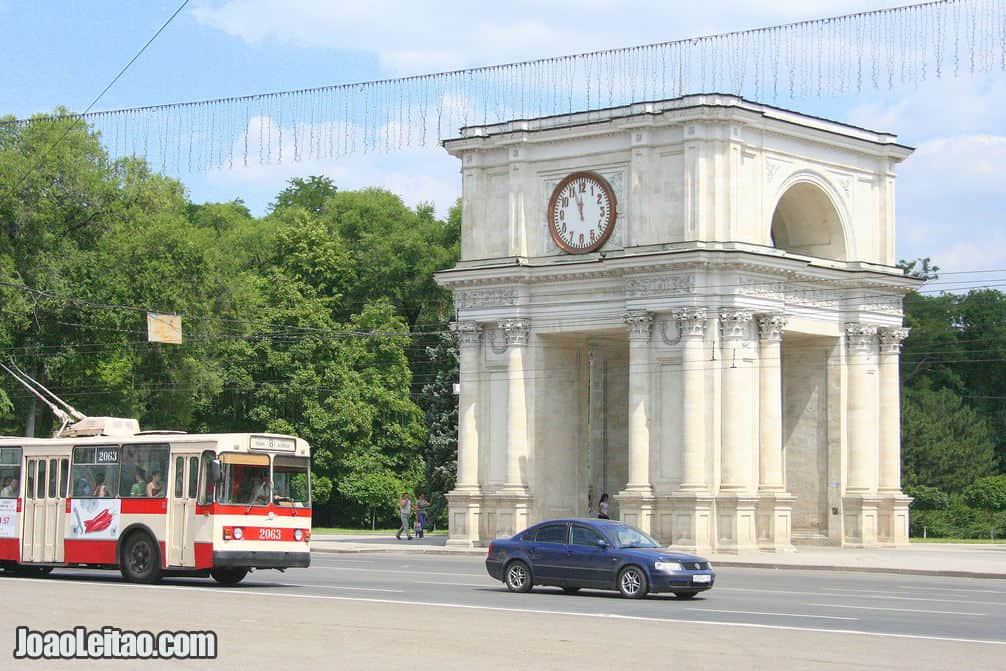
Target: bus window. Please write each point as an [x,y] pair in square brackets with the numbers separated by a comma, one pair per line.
[193,476]
[141,466]
[64,477]
[10,472]
[53,475]
[179,476]
[30,489]
[41,479]
[95,471]
[206,491]
[291,479]
[245,479]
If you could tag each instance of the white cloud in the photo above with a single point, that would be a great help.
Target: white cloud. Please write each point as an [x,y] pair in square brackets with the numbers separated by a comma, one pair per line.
[413,37]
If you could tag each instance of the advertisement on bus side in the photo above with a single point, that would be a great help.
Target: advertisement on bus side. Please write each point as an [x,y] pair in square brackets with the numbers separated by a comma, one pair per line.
[95,519]
[8,518]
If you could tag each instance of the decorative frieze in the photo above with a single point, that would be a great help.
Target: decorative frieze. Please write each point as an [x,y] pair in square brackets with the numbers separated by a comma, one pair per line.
[770,326]
[860,338]
[735,324]
[468,333]
[890,305]
[817,298]
[660,285]
[640,323]
[515,331]
[891,339]
[466,299]
[760,287]
[691,322]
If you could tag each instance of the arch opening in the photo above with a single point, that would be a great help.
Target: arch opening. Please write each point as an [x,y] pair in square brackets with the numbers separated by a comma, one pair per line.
[806,222]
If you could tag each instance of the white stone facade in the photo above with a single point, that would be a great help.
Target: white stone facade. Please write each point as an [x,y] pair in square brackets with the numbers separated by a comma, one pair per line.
[725,366]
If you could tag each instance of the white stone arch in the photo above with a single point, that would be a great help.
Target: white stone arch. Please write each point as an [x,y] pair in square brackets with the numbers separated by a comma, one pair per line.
[809,217]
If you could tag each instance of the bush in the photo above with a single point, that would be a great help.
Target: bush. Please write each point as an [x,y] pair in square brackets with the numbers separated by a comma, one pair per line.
[957,520]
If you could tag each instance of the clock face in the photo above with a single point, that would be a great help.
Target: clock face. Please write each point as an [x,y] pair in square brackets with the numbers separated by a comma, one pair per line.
[581,212]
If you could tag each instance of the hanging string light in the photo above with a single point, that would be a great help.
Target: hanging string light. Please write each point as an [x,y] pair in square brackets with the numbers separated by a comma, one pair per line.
[833,56]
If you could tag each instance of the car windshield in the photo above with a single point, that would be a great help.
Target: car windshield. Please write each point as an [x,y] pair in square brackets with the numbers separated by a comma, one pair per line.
[631,537]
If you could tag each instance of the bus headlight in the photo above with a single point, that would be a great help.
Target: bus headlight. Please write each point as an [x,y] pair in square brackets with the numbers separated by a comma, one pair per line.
[238,533]
[298,535]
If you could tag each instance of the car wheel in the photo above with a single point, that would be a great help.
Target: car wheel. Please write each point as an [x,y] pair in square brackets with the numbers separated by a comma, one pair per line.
[517,577]
[570,590]
[141,559]
[632,583]
[229,576]
[685,596]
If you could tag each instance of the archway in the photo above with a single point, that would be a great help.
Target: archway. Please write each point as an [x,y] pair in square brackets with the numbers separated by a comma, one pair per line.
[806,222]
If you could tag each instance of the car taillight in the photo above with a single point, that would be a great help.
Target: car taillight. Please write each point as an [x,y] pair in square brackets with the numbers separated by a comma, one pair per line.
[490,553]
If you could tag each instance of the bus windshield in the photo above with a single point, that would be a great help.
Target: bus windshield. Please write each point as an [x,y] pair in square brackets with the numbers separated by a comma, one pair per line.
[244,479]
[291,478]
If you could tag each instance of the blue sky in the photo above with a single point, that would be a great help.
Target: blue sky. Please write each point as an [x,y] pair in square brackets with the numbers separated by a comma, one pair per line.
[950,198]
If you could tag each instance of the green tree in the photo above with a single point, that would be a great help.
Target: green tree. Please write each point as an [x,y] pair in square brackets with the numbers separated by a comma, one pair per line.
[311,194]
[989,495]
[371,483]
[945,443]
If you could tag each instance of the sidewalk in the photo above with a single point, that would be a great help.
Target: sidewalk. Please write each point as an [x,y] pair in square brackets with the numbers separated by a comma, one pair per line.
[950,560]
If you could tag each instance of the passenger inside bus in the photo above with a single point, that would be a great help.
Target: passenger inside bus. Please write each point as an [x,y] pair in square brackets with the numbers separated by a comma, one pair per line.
[100,488]
[82,486]
[156,485]
[9,487]
[262,491]
[139,487]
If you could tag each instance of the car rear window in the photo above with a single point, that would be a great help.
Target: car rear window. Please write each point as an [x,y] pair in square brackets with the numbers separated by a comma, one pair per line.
[551,533]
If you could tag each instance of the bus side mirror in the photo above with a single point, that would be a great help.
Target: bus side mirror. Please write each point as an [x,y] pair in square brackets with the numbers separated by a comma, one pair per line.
[215,471]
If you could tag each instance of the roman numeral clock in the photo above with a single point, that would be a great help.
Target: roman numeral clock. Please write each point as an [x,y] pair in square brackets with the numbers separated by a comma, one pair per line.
[581,212]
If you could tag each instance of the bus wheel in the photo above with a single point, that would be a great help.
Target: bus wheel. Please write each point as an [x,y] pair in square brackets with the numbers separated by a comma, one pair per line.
[229,576]
[141,560]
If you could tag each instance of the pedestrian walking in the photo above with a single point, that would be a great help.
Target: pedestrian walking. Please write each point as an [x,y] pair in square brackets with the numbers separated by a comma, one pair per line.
[421,517]
[405,513]
[602,507]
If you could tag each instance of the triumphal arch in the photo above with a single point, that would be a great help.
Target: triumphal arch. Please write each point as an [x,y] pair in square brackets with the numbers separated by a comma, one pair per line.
[691,305]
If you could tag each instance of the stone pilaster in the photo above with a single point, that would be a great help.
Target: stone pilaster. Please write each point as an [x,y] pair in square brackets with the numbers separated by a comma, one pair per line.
[861,414]
[516,336]
[640,325]
[740,403]
[893,514]
[469,335]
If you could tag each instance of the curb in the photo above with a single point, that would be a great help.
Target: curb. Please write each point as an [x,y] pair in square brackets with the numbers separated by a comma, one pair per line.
[727,563]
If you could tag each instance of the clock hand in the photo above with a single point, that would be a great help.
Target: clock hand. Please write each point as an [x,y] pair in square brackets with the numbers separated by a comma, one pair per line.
[579,206]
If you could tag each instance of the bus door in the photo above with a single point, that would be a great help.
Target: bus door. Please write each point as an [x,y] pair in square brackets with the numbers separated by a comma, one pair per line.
[182,523]
[44,508]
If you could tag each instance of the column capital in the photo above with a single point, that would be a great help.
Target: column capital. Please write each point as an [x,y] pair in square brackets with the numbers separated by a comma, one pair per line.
[860,337]
[890,339]
[770,325]
[640,323]
[691,322]
[468,333]
[734,324]
[515,331]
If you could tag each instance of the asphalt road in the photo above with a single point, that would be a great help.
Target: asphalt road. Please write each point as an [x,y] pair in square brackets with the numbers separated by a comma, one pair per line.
[366,611]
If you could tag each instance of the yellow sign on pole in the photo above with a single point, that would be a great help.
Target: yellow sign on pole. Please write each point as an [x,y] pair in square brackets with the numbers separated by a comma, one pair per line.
[164,328]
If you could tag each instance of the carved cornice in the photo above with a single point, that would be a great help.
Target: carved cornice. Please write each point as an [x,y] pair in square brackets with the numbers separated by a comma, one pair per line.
[515,331]
[468,333]
[770,326]
[660,285]
[891,339]
[691,322]
[735,324]
[465,299]
[640,323]
[860,338]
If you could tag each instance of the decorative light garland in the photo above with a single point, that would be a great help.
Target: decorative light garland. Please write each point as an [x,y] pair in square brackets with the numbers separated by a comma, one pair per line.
[886,48]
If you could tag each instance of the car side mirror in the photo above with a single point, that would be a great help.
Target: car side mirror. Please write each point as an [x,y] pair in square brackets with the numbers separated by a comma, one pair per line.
[601,543]
[215,471]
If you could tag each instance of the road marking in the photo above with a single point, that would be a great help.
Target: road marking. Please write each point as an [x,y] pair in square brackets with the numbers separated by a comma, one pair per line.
[949,589]
[244,591]
[887,597]
[899,610]
[358,589]
[759,612]
[381,570]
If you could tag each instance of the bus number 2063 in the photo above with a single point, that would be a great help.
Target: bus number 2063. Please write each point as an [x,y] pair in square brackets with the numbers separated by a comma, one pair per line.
[269,535]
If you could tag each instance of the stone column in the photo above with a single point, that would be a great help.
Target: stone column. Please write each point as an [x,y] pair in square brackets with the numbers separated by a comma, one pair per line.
[640,324]
[469,336]
[775,504]
[692,504]
[738,404]
[516,334]
[893,515]
[860,503]
[861,416]
[692,325]
[770,467]
[890,410]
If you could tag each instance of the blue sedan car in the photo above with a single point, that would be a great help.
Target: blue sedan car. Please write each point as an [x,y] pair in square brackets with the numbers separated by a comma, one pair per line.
[599,554]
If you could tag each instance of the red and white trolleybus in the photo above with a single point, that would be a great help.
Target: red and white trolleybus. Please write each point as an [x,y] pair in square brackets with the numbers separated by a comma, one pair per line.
[105,494]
